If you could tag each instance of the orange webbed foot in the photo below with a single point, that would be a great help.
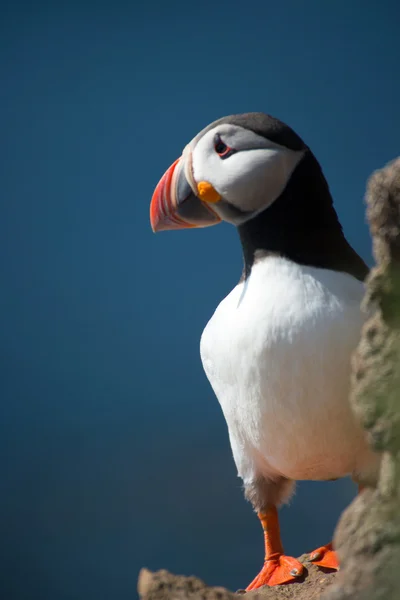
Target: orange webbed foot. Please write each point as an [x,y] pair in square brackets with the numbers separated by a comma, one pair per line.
[282,569]
[325,557]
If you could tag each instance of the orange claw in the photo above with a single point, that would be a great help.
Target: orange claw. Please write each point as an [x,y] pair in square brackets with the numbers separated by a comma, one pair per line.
[282,569]
[325,557]
[278,568]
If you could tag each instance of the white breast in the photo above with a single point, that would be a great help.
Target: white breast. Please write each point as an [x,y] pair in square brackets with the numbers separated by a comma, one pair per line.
[277,354]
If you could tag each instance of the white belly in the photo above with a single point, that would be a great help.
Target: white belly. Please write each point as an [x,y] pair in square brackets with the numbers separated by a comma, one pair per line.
[277,354]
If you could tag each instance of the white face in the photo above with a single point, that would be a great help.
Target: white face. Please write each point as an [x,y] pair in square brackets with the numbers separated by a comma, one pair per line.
[250,177]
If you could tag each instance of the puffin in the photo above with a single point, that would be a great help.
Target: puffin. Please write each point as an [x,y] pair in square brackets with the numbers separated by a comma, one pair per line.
[277,350]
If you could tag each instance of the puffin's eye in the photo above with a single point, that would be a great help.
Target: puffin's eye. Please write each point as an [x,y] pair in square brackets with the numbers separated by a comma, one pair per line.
[221,148]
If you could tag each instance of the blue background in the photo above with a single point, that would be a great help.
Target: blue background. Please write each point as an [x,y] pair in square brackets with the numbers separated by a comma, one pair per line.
[114,452]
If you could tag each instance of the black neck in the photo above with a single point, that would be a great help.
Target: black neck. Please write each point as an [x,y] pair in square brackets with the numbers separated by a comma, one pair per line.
[301,225]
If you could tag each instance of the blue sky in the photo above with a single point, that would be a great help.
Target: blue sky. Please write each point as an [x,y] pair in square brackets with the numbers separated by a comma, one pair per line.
[114,450]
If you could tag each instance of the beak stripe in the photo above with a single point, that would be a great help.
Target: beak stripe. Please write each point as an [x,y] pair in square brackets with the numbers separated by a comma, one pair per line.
[174,205]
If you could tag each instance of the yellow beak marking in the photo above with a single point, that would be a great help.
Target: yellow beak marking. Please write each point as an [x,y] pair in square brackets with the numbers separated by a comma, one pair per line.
[207,193]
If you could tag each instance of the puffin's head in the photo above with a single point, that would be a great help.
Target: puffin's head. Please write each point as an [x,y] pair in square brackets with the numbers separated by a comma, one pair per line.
[232,170]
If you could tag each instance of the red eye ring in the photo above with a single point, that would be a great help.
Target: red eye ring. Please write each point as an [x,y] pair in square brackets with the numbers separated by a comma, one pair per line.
[221,148]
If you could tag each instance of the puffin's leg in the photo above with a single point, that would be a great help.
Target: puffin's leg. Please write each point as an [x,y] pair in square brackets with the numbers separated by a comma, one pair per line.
[278,568]
[325,556]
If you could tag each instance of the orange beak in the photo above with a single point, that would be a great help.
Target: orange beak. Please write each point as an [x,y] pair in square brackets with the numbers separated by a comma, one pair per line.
[174,205]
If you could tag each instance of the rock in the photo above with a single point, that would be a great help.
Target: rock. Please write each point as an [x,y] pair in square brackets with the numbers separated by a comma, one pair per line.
[165,586]
[368,535]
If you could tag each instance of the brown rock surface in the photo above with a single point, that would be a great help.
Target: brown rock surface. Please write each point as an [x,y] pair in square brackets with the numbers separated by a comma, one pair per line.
[165,586]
